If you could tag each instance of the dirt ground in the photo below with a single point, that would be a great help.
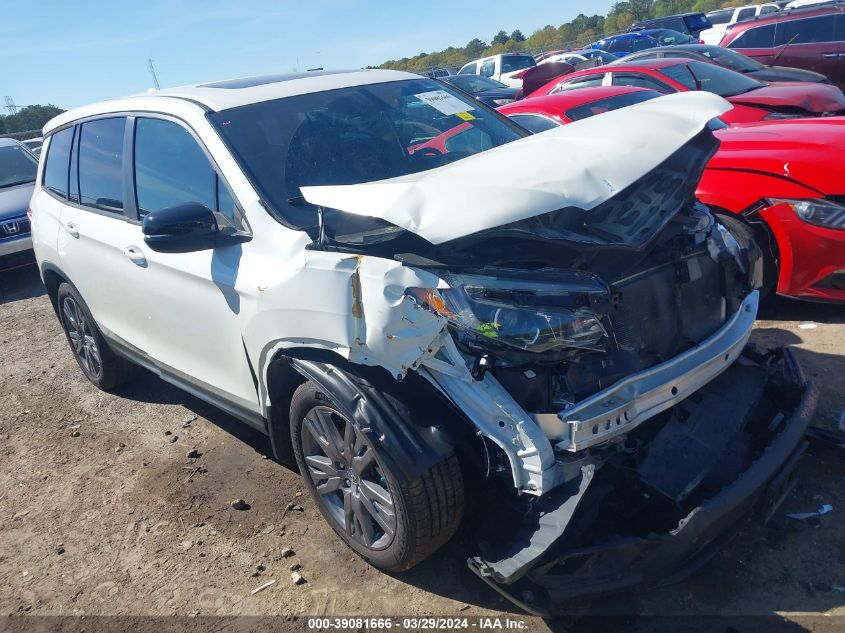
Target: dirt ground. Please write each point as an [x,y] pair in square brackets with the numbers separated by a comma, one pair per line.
[102,513]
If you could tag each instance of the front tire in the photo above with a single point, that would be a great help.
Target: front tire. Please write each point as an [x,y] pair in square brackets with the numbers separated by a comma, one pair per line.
[391,521]
[95,358]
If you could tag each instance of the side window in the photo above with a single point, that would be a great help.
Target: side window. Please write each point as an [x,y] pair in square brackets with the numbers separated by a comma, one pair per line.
[644,43]
[533,122]
[581,82]
[58,158]
[469,69]
[171,169]
[807,31]
[620,45]
[758,37]
[746,14]
[766,10]
[488,67]
[640,81]
[101,164]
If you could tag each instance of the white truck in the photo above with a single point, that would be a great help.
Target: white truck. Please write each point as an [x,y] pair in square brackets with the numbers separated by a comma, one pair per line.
[724,18]
[502,67]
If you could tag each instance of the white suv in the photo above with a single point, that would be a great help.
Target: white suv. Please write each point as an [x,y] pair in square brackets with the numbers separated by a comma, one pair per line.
[413,298]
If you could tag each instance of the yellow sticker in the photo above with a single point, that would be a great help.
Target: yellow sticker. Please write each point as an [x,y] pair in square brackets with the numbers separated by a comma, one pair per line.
[466,116]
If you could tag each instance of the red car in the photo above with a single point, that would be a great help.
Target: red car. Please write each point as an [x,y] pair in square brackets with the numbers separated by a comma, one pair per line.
[782,182]
[752,100]
[811,37]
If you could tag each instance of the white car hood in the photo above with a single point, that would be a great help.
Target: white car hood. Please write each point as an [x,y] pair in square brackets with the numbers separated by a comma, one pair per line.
[581,164]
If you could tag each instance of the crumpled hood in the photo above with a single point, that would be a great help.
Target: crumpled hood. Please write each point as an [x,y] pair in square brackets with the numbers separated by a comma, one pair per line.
[14,201]
[808,151]
[579,165]
[816,98]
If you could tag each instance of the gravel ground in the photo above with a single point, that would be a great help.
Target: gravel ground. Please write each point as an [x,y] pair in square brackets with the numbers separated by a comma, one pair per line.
[102,513]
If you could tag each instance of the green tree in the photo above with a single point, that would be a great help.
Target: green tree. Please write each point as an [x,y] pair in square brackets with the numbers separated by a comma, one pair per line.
[475,48]
[517,36]
[500,38]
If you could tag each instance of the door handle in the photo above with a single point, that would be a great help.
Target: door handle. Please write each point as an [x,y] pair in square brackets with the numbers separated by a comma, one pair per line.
[829,55]
[70,227]
[135,255]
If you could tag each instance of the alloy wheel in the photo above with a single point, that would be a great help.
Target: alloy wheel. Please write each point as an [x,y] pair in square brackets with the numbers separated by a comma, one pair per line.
[81,338]
[349,481]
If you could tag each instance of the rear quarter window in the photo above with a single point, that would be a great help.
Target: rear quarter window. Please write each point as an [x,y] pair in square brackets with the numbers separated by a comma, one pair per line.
[58,160]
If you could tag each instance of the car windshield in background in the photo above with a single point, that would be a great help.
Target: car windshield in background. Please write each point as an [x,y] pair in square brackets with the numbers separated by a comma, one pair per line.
[511,63]
[731,59]
[17,166]
[474,84]
[668,37]
[712,78]
[609,103]
[354,135]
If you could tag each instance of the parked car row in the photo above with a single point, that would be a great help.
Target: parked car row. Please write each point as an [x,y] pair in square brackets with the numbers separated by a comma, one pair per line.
[780,181]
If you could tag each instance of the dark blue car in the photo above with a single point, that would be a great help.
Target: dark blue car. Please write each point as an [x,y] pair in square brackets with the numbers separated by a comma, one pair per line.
[626,43]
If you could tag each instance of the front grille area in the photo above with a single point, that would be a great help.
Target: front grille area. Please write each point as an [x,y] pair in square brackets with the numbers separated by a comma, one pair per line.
[14,227]
[669,309]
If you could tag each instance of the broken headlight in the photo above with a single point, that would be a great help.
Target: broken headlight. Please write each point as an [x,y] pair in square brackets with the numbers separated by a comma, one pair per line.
[525,315]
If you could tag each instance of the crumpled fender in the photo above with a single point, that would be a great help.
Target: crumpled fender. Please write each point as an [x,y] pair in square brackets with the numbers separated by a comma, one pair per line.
[351,305]
[407,420]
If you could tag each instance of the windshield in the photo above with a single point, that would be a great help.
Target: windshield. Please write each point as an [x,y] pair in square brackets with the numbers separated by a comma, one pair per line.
[731,59]
[354,135]
[712,78]
[17,166]
[474,84]
[510,63]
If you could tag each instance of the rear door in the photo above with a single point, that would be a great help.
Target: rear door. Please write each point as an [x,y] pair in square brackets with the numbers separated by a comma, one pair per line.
[809,43]
[96,235]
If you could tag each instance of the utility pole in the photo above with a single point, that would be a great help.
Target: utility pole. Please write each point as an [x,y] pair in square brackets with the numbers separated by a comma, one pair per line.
[153,73]
[10,105]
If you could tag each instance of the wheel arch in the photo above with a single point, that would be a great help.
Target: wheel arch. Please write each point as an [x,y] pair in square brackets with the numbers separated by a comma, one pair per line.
[410,419]
[53,277]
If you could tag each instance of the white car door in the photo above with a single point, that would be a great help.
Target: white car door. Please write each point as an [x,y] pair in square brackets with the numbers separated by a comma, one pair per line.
[96,237]
[190,301]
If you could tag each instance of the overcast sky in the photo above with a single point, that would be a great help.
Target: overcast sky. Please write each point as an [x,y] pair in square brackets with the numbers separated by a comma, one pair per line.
[69,53]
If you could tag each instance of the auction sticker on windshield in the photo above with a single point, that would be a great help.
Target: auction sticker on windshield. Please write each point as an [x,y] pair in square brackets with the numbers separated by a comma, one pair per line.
[444,102]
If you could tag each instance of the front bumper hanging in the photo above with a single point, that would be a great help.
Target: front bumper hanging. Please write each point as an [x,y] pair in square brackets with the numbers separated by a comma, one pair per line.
[747,461]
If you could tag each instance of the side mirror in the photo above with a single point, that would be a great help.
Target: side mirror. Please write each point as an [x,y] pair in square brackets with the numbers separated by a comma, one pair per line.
[186,228]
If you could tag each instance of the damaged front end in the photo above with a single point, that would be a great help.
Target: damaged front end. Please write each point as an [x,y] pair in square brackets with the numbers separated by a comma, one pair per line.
[657,508]
[600,350]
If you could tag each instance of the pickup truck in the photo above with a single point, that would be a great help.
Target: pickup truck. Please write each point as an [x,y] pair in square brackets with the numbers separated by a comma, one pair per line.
[502,67]
[724,18]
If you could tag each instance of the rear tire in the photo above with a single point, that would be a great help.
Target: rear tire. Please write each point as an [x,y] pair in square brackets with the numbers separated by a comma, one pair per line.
[95,358]
[391,521]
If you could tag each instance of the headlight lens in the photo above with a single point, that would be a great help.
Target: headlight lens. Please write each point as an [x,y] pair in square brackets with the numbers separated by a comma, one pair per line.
[524,315]
[817,211]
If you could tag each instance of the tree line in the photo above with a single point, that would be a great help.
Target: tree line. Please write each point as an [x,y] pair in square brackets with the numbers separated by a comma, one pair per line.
[31,117]
[578,32]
